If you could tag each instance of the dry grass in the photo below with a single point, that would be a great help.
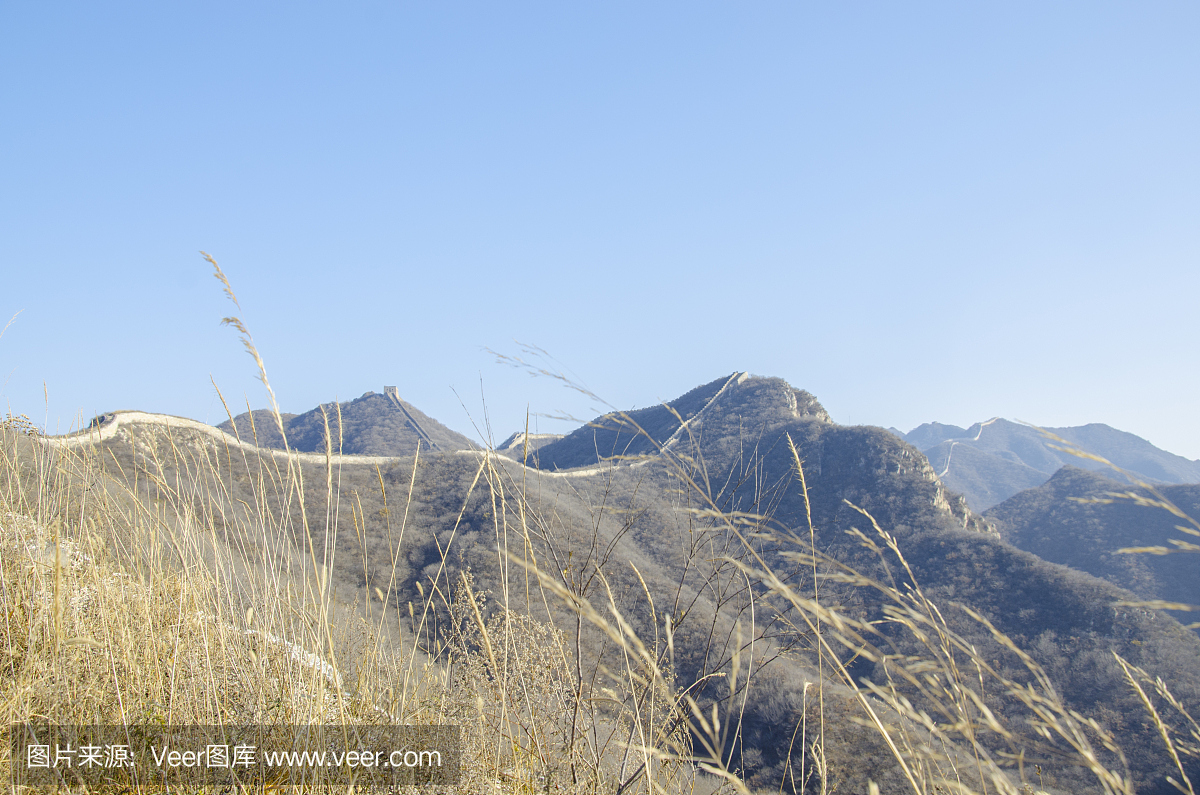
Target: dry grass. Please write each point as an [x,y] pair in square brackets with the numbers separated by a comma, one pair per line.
[160,595]
[121,608]
[163,597]
[1179,730]
[930,709]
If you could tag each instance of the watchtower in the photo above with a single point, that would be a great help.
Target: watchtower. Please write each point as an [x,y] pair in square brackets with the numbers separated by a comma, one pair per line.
[393,394]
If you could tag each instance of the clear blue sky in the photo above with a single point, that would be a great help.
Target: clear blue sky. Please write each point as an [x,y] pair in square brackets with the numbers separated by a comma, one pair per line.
[916,211]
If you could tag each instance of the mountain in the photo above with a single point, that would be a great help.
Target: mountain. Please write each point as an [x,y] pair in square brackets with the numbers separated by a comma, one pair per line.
[373,424]
[752,403]
[736,434]
[668,516]
[991,461]
[931,433]
[1073,520]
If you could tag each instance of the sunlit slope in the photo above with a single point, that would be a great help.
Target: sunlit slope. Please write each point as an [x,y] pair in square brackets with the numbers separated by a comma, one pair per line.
[645,534]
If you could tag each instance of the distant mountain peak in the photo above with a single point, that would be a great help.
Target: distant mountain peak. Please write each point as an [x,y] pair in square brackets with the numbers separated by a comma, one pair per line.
[729,405]
[993,460]
[373,424]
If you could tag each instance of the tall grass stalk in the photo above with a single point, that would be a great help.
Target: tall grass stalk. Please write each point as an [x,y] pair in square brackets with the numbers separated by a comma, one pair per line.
[158,588]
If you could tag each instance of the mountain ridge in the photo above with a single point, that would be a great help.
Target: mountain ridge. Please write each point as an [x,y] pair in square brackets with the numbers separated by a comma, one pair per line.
[373,424]
[741,446]
[991,461]
[1073,519]
[653,429]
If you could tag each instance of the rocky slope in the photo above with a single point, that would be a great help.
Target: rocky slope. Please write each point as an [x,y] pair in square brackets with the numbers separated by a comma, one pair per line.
[632,512]
[1073,519]
[373,424]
